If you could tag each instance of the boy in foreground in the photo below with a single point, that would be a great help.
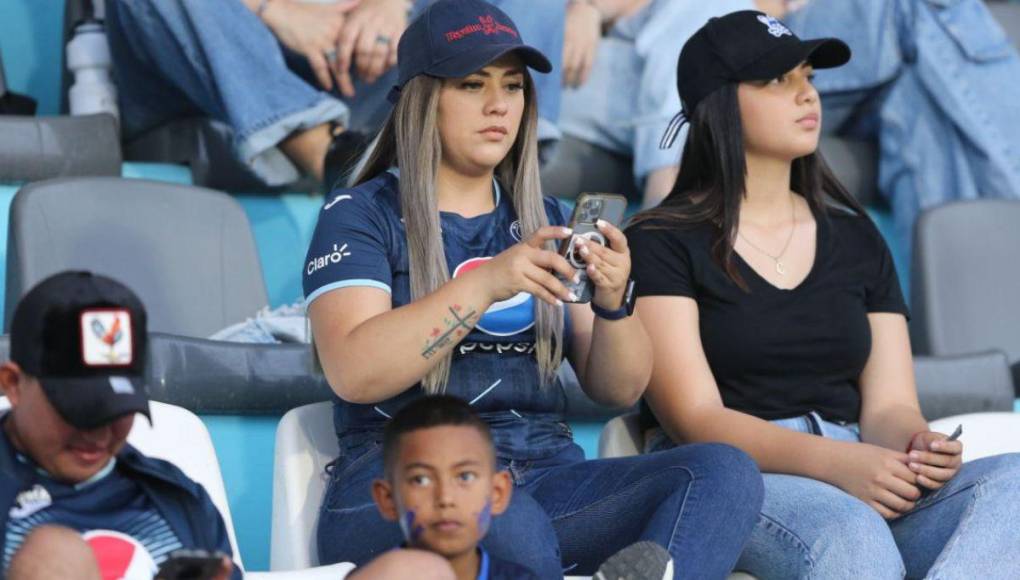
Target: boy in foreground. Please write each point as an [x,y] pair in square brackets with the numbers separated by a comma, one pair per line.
[442,485]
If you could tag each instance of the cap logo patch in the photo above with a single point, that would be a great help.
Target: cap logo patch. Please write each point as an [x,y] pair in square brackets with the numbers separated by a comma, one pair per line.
[106,337]
[487,25]
[776,28]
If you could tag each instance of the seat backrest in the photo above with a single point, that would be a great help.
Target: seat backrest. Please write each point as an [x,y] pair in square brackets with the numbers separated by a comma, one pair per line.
[954,385]
[177,435]
[965,279]
[305,443]
[187,252]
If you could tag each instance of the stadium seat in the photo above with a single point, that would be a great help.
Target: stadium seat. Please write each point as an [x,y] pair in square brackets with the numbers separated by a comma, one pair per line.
[965,280]
[187,251]
[305,443]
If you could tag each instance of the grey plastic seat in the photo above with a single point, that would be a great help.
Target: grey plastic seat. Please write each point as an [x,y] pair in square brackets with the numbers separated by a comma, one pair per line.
[187,251]
[965,280]
[45,147]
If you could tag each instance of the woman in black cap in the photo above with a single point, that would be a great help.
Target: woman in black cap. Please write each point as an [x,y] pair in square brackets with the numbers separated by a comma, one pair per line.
[435,273]
[778,326]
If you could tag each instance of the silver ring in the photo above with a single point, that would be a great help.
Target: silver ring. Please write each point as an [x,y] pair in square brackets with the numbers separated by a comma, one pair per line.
[383,39]
[330,55]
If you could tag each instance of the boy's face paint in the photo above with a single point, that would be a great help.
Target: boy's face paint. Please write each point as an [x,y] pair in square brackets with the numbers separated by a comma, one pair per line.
[485,518]
[411,529]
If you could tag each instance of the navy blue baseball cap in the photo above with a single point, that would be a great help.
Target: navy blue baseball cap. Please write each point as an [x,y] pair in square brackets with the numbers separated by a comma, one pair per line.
[454,38]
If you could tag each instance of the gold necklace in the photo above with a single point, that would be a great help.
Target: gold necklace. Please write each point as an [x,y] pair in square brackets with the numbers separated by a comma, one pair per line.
[780,268]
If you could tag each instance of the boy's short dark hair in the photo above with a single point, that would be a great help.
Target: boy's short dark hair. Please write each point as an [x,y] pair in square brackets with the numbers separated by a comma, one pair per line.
[426,412]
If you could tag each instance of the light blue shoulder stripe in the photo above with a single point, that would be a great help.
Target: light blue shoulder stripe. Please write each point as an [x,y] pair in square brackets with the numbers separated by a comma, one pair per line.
[364,282]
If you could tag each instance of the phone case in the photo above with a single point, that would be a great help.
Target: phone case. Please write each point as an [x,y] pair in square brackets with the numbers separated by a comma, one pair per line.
[590,208]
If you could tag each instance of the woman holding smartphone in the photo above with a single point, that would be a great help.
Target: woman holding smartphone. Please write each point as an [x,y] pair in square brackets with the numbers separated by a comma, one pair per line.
[778,326]
[437,272]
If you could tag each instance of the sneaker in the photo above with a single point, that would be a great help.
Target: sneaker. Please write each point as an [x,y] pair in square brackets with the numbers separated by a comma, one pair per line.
[640,561]
[345,150]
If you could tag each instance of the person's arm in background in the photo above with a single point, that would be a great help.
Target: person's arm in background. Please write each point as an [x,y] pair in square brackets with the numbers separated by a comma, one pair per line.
[584,25]
[311,30]
[658,184]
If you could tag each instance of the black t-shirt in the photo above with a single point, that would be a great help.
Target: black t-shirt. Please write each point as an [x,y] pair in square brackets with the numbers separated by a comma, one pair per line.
[779,353]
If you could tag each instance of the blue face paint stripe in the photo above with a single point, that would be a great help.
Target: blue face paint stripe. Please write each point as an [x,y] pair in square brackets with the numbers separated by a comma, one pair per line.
[485,519]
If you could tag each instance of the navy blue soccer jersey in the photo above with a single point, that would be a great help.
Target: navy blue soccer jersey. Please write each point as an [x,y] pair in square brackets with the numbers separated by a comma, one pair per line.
[116,518]
[360,241]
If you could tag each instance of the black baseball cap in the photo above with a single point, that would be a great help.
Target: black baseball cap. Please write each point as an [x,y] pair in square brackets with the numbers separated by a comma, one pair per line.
[83,336]
[747,45]
[454,38]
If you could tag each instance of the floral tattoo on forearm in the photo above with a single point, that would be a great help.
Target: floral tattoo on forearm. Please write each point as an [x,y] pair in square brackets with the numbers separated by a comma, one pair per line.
[455,327]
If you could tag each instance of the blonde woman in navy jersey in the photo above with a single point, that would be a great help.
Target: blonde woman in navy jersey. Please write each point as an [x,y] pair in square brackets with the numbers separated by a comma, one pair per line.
[436,272]
[778,326]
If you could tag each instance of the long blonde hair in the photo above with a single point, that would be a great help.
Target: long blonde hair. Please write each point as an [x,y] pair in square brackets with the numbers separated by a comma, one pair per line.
[410,140]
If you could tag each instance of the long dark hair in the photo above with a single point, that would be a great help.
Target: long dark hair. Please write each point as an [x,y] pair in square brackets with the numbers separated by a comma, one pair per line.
[713,176]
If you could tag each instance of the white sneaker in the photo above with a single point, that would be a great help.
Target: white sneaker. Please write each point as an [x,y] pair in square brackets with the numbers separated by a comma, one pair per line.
[640,561]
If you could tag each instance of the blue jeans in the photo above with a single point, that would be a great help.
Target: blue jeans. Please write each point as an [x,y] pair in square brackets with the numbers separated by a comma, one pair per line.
[699,501]
[810,529]
[215,58]
[936,82]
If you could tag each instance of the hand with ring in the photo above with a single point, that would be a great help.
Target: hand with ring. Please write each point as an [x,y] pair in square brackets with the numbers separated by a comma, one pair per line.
[369,40]
[311,30]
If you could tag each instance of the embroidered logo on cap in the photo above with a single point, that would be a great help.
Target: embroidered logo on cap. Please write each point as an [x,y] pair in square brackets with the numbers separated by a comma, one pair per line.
[776,28]
[106,338]
[487,25]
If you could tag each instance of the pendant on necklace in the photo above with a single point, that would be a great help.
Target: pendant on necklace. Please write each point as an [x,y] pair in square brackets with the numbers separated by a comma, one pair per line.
[780,268]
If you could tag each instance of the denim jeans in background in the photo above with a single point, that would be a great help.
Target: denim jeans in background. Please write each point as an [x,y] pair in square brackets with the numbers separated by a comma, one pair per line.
[215,58]
[810,529]
[700,501]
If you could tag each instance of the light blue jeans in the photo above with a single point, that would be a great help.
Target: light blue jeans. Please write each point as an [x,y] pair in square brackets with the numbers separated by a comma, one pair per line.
[810,529]
[215,58]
